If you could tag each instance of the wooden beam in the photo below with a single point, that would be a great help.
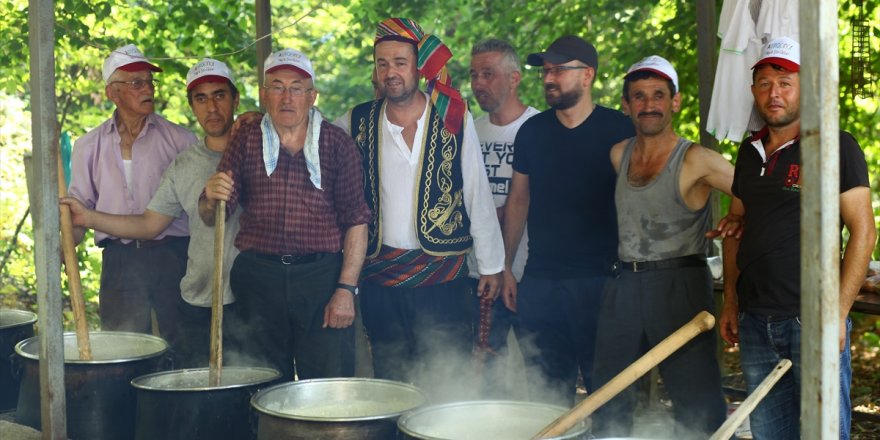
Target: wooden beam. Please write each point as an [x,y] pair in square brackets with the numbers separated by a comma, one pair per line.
[820,227]
[264,27]
[47,240]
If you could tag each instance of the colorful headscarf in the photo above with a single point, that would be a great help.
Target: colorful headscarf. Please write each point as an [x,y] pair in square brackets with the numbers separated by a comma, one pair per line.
[431,63]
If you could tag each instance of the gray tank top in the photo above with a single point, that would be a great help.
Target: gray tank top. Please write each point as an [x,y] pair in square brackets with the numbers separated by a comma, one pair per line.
[653,220]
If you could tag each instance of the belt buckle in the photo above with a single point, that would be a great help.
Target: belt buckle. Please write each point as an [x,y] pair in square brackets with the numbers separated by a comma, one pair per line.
[137,244]
[288,259]
[636,265]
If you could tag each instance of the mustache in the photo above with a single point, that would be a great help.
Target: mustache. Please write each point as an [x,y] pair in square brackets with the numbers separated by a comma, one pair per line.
[550,86]
[658,114]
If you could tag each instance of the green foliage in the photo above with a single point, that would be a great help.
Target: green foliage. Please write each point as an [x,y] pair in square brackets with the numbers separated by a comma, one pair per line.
[338,37]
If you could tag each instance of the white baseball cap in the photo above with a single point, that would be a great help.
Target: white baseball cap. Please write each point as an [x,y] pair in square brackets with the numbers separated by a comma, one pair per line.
[658,65]
[783,52]
[208,70]
[289,59]
[128,58]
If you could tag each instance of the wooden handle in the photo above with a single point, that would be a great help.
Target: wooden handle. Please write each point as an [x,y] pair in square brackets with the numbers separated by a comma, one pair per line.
[215,365]
[71,267]
[702,322]
[745,408]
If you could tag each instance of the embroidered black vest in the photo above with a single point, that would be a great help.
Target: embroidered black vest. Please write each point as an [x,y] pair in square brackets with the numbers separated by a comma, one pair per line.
[442,223]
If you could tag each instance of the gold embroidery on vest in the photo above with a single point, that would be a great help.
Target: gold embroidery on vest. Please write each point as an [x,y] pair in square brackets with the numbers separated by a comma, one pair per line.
[446,214]
[371,152]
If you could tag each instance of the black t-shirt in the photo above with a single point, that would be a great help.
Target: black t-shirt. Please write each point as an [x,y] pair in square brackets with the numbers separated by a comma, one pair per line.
[572,221]
[769,256]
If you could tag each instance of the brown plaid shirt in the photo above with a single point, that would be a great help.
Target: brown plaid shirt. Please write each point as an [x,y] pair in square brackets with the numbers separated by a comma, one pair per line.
[285,213]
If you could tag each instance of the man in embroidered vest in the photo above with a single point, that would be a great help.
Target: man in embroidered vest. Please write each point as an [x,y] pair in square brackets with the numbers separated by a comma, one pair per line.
[663,186]
[762,289]
[303,230]
[116,168]
[431,202]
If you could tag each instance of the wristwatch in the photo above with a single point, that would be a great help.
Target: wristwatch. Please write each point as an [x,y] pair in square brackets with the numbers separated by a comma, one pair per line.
[353,289]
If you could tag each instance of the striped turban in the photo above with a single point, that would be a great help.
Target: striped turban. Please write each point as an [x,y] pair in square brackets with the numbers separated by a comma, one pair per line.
[431,62]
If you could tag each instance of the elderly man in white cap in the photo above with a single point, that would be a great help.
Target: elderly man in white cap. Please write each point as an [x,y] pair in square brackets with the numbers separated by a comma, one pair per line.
[116,168]
[213,98]
[662,280]
[762,291]
[299,182]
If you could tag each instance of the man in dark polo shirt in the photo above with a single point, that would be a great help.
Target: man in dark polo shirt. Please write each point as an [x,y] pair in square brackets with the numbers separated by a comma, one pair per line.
[303,229]
[762,295]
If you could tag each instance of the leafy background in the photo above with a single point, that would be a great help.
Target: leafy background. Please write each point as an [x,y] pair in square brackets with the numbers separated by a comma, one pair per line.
[338,36]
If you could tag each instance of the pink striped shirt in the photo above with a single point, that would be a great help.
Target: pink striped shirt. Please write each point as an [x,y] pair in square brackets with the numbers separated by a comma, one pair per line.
[97,176]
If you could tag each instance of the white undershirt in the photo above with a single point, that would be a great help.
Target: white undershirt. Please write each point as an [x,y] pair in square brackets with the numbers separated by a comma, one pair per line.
[126,167]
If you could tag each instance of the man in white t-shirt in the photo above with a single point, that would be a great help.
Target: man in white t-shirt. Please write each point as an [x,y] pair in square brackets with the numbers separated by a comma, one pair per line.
[495,78]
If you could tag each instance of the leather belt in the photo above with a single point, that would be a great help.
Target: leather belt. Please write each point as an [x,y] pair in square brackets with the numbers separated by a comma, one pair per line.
[141,244]
[696,260]
[290,259]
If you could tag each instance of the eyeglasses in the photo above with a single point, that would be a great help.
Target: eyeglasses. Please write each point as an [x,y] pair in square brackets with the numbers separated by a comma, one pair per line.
[138,84]
[294,91]
[557,69]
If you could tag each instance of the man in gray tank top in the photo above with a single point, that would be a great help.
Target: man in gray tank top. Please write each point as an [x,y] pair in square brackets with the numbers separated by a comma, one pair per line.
[662,280]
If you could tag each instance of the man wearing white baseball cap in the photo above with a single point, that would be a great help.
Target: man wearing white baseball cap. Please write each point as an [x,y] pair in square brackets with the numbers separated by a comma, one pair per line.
[213,99]
[662,280]
[762,295]
[116,168]
[298,183]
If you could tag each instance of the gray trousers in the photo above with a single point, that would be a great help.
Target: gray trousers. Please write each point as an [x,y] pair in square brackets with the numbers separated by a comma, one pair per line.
[638,311]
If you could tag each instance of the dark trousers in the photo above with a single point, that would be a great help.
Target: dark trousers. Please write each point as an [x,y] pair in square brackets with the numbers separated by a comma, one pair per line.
[493,369]
[421,335]
[281,314]
[195,345]
[639,310]
[136,280]
[557,322]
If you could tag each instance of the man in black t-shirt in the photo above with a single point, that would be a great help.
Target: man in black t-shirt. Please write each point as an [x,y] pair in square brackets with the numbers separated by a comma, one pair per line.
[563,183]
[762,297]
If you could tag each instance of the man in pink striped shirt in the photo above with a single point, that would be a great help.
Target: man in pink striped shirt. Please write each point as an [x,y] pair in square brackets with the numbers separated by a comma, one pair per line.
[116,168]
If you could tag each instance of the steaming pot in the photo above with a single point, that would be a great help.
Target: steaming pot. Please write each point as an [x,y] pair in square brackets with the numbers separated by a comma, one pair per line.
[99,398]
[484,420]
[181,405]
[15,326]
[337,409]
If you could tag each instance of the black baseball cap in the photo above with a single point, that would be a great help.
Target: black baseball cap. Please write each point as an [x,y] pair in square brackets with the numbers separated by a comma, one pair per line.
[565,49]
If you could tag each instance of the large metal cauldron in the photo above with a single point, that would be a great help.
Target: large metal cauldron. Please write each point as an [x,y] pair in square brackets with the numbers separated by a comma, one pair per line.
[99,398]
[179,405]
[15,326]
[483,420]
[334,409]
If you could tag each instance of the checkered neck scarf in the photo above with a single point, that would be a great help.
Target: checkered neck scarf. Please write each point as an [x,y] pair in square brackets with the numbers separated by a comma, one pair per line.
[431,63]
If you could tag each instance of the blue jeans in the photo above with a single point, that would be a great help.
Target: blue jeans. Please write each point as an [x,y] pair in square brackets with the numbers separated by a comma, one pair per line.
[764,341]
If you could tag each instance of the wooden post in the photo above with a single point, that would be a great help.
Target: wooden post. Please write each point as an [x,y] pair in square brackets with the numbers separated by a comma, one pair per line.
[47,240]
[264,27]
[707,47]
[820,227]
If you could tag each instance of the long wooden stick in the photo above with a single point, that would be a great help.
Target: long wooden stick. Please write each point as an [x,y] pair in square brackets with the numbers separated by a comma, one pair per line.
[71,267]
[215,365]
[702,322]
[745,408]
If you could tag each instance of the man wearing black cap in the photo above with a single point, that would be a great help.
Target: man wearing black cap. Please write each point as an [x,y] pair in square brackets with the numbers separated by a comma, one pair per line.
[563,184]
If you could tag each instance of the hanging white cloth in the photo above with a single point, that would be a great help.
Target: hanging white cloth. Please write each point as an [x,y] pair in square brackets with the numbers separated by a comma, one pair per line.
[744,26]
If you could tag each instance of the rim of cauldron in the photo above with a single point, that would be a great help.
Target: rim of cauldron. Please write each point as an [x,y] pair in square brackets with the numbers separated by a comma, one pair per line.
[262,409]
[26,317]
[20,347]
[402,421]
[270,374]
